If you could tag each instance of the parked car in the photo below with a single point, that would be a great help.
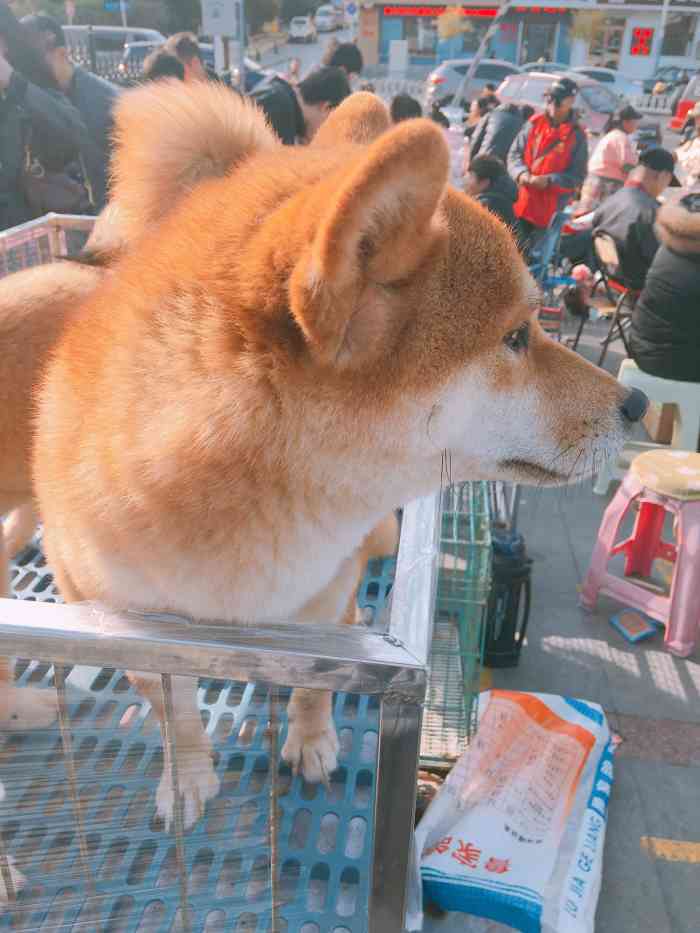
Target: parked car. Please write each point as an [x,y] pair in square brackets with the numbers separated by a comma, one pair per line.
[133,57]
[549,68]
[135,53]
[615,80]
[594,102]
[326,19]
[254,74]
[109,39]
[688,98]
[647,136]
[302,29]
[442,85]
[671,75]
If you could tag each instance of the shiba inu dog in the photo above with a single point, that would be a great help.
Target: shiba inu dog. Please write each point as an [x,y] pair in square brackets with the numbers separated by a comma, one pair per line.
[278,362]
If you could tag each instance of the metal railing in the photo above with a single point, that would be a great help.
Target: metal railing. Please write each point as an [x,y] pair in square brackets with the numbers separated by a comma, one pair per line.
[43,240]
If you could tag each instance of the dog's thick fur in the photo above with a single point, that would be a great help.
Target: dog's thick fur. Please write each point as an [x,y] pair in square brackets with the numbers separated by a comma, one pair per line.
[284,357]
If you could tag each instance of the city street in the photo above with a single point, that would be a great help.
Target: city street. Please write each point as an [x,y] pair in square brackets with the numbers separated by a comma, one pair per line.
[309,55]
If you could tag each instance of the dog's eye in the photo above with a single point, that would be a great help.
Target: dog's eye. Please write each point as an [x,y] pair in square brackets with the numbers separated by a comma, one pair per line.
[517,340]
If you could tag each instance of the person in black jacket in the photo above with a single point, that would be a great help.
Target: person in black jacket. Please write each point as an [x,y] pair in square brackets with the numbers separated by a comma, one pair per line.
[489,183]
[92,96]
[36,120]
[295,112]
[629,214]
[496,131]
[665,331]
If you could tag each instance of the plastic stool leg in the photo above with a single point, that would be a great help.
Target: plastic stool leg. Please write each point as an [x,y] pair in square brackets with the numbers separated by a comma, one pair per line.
[604,478]
[607,533]
[684,609]
[646,538]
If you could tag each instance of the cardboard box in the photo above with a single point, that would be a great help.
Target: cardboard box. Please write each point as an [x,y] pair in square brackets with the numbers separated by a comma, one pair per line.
[659,422]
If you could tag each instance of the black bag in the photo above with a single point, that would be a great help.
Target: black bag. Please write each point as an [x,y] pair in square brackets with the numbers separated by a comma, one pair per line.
[54,192]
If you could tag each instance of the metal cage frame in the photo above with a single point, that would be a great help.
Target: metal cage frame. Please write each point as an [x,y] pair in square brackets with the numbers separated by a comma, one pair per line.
[390,664]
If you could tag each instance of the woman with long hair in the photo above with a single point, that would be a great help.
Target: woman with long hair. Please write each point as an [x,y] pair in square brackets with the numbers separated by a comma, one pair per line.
[613,159]
[40,131]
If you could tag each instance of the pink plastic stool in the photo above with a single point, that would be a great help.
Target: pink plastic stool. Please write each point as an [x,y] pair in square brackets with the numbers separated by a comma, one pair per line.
[660,481]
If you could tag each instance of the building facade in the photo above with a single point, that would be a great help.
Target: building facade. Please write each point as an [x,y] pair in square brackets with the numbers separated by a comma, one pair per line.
[625,36]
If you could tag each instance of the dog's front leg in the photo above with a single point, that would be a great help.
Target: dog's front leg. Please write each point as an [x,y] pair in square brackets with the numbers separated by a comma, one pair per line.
[312,743]
[196,777]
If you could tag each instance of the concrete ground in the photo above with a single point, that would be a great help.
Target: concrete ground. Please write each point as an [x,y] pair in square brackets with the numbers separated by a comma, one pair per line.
[652,854]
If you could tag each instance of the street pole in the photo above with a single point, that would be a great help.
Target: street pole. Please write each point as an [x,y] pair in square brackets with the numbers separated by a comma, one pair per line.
[242,37]
[660,40]
[122,10]
[483,46]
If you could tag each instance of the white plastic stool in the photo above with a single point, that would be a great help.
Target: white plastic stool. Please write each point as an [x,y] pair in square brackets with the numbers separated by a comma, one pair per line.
[686,418]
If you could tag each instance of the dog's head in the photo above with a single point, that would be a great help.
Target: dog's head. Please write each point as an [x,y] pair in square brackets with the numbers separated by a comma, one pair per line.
[384,316]
[404,312]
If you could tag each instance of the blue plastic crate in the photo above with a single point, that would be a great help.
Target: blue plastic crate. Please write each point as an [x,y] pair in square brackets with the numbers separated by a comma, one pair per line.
[325,835]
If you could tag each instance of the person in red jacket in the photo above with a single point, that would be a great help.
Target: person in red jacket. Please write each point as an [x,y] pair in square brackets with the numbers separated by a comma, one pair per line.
[548,162]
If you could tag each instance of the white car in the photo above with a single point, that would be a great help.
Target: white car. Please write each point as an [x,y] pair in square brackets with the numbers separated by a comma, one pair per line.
[612,79]
[326,19]
[302,29]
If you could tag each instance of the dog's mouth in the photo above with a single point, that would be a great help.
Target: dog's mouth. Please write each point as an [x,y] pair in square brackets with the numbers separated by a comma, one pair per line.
[532,471]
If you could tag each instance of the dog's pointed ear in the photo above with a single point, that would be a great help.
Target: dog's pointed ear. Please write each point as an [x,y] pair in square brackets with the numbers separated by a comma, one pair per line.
[379,228]
[361,118]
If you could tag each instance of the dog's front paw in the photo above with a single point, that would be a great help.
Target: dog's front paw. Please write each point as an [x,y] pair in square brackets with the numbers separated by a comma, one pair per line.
[198,783]
[315,755]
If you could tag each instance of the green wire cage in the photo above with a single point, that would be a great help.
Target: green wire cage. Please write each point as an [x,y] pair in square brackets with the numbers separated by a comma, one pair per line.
[464,584]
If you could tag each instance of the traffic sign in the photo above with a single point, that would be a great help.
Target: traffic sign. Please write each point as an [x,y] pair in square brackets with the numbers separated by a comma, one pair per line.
[221,18]
[351,9]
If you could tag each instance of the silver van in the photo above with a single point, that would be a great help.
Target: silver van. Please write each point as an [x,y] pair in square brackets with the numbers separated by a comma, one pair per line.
[108,41]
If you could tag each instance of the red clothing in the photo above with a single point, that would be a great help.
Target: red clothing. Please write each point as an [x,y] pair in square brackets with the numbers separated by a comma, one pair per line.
[549,150]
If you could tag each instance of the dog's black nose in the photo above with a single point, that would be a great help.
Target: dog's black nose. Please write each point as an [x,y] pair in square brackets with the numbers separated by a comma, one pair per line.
[634,406]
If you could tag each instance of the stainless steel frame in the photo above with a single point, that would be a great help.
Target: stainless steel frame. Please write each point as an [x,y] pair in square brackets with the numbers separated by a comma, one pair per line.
[41,240]
[391,664]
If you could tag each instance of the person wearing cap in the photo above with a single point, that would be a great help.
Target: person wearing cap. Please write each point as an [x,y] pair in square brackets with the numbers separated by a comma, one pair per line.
[613,159]
[629,215]
[665,329]
[688,153]
[548,162]
[92,97]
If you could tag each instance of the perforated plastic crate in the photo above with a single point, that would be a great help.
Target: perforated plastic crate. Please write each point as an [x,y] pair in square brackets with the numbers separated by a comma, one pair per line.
[78,817]
[325,834]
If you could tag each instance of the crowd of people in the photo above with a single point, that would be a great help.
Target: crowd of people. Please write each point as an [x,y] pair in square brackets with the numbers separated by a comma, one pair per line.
[56,121]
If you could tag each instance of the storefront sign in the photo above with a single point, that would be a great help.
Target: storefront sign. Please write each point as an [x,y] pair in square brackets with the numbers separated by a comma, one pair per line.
[642,41]
[433,11]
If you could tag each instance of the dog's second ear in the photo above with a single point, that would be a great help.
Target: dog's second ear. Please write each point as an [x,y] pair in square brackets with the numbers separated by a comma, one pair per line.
[361,118]
[379,228]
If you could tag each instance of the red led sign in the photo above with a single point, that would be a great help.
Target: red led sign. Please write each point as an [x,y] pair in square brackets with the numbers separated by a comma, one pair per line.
[483,12]
[431,11]
[642,41]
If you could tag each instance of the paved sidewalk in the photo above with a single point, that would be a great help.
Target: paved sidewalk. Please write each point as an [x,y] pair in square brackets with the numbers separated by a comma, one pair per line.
[652,856]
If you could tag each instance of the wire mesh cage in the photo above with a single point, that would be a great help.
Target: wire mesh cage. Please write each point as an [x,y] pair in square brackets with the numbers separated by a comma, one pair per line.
[456,656]
[43,240]
[87,843]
